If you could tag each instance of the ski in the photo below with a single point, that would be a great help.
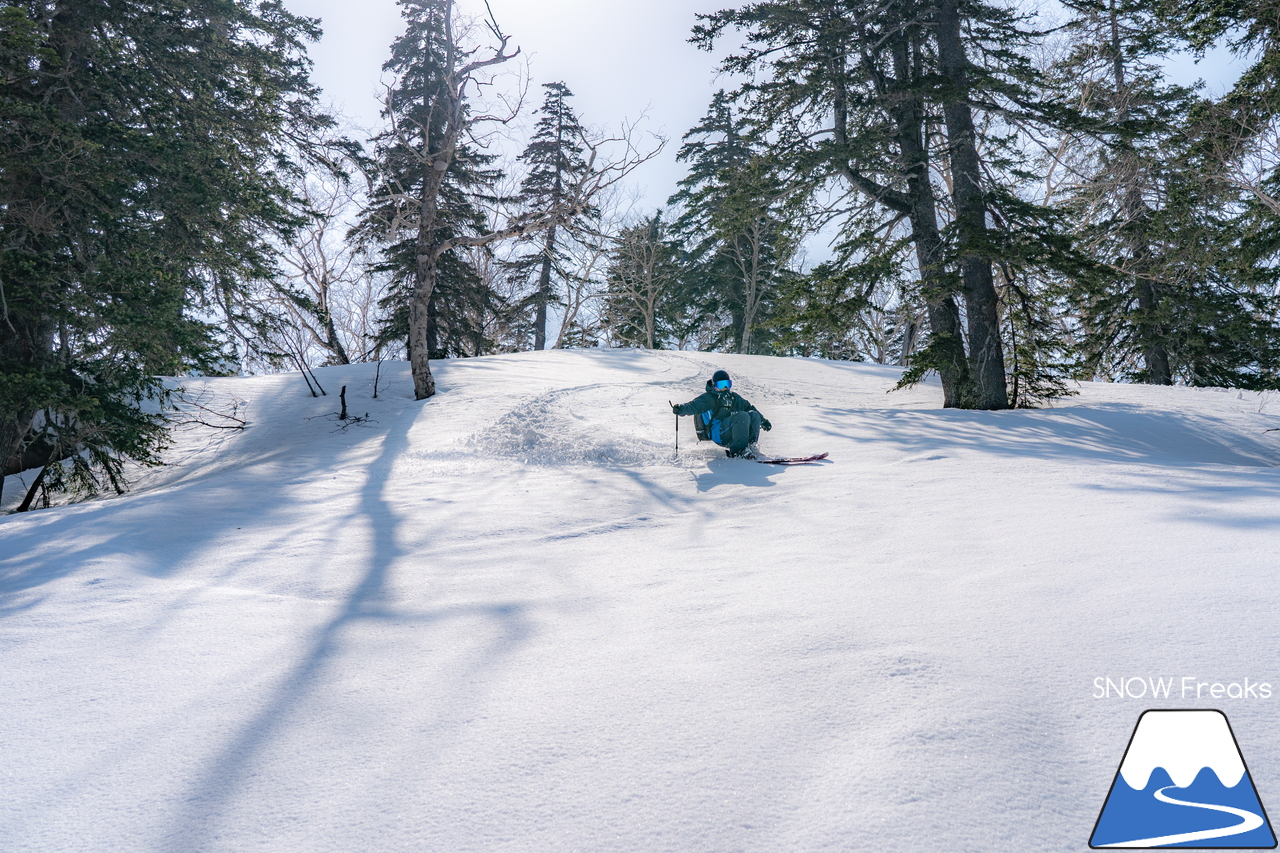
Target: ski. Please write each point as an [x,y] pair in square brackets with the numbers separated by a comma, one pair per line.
[788,460]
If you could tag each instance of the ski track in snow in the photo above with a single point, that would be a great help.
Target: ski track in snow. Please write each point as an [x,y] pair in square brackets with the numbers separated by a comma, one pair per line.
[512,618]
[1248,822]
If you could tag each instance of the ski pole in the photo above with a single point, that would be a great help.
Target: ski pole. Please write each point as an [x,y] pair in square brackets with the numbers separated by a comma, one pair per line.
[669,403]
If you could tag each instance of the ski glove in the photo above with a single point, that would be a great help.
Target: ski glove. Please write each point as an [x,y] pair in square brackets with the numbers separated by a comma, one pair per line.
[765,425]
[675,407]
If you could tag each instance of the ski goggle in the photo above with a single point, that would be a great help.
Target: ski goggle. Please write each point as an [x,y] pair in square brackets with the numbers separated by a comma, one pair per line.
[724,384]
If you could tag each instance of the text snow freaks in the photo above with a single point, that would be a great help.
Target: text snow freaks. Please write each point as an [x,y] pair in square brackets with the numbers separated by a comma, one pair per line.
[1186,687]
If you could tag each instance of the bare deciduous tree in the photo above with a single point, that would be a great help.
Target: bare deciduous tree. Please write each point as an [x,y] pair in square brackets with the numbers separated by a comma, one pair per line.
[319,265]
[640,276]
[587,259]
[1245,152]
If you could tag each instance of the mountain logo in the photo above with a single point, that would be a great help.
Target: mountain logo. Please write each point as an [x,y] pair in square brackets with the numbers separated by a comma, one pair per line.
[1183,783]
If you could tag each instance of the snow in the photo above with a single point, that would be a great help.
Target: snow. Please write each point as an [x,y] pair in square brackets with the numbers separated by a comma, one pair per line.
[510,619]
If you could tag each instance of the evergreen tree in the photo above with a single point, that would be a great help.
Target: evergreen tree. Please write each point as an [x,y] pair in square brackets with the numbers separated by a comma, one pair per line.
[1186,301]
[430,175]
[323,307]
[1242,129]
[740,222]
[1115,58]
[555,158]
[427,180]
[851,308]
[871,103]
[141,151]
[962,82]
[881,101]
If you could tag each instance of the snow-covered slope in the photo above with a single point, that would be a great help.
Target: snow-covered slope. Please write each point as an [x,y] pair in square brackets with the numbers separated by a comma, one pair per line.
[510,619]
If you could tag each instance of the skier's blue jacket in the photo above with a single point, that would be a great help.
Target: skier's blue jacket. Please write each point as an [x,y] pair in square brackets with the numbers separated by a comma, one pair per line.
[712,409]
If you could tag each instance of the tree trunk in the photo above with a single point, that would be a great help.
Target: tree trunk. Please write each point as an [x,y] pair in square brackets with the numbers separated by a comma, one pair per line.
[755,236]
[946,337]
[917,204]
[424,384]
[424,283]
[1133,214]
[9,438]
[27,343]
[986,351]
[334,343]
[908,343]
[543,294]
[428,256]
[1155,355]
[449,102]
[13,425]
[935,284]
[31,492]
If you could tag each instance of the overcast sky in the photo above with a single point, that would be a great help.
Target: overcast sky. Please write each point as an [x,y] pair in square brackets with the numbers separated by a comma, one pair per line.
[621,59]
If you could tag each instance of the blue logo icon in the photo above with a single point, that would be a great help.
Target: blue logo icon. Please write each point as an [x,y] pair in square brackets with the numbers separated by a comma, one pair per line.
[1183,783]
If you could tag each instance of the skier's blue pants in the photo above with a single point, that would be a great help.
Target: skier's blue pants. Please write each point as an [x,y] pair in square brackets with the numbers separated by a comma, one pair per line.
[739,430]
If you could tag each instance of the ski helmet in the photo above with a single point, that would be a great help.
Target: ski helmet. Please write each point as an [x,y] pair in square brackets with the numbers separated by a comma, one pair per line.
[720,381]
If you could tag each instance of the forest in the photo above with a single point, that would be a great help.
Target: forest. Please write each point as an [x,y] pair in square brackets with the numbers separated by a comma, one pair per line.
[1012,198]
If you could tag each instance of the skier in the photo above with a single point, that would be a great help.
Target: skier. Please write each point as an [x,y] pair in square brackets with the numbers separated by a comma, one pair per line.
[725,417]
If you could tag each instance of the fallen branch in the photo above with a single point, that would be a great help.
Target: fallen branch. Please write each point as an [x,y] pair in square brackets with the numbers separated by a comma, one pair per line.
[342,416]
[216,419]
[355,420]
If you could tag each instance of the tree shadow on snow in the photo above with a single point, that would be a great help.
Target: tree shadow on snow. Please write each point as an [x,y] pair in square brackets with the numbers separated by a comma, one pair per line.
[1217,469]
[211,798]
[160,531]
[1115,432]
